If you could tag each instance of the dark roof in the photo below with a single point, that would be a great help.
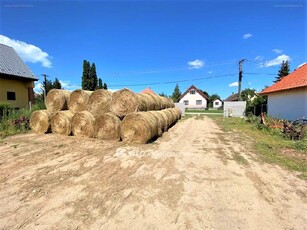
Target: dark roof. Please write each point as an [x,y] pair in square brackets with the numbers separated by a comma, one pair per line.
[233,97]
[296,79]
[12,64]
[197,90]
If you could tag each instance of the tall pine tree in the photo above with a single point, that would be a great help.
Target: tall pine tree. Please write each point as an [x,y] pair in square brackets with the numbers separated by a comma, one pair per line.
[93,78]
[57,84]
[86,83]
[284,71]
[176,93]
[105,86]
[100,86]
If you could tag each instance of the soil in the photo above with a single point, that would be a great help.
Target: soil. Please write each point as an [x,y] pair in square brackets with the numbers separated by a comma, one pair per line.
[195,176]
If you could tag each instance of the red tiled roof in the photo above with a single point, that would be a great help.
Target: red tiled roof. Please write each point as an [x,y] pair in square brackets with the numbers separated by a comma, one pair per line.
[148,90]
[297,79]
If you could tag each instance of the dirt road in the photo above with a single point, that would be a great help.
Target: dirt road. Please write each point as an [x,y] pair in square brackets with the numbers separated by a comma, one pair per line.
[194,177]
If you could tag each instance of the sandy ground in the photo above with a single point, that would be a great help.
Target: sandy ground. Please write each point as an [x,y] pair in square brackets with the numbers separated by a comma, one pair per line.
[194,177]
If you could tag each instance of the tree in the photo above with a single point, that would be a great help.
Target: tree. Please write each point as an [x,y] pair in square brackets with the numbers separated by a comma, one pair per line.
[105,86]
[212,98]
[93,78]
[100,84]
[254,101]
[205,92]
[176,94]
[86,84]
[163,94]
[48,85]
[284,71]
[56,84]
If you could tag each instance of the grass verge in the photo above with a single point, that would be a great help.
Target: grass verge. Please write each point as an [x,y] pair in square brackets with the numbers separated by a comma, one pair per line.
[270,144]
[204,111]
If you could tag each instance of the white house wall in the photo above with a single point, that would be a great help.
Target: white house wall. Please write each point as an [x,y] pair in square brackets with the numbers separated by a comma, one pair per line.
[289,105]
[218,105]
[192,98]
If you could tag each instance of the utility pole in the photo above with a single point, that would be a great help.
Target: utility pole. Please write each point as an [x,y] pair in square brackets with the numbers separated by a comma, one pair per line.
[45,86]
[240,79]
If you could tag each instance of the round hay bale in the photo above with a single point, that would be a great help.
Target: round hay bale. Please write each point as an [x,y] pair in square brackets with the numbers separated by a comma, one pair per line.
[107,127]
[150,101]
[82,124]
[161,121]
[165,118]
[156,101]
[61,122]
[57,99]
[178,112]
[171,103]
[99,102]
[79,100]
[165,102]
[124,102]
[40,121]
[142,102]
[170,117]
[139,127]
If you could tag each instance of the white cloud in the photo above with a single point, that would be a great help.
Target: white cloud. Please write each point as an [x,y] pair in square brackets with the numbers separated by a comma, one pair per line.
[246,36]
[113,90]
[233,84]
[259,58]
[196,64]
[68,86]
[210,72]
[28,52]
[249,83]
[277,61]
[277,51]
[38,87]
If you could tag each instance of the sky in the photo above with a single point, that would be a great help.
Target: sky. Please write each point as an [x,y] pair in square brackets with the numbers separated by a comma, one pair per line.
[157,44]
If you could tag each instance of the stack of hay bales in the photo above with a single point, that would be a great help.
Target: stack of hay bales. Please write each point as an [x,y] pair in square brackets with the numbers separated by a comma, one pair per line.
[123,115]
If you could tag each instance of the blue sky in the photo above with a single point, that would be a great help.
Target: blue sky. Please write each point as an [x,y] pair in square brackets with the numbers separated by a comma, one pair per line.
[139,44]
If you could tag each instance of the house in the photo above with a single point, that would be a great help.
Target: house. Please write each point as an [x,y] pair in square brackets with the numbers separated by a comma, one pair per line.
[287,99]
[232,97]
[217,103]
[16,79]
[193,98]
[148,91]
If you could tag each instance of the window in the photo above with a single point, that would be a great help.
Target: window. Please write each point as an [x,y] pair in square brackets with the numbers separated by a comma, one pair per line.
[192,91]
[199,102]
[216,103]
[186,102]
[11,96]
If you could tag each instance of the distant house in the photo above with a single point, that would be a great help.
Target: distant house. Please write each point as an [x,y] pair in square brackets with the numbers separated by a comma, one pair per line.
[287,99]
[16,79]
[232,97]
[193,98]
[148,90]
[217,103]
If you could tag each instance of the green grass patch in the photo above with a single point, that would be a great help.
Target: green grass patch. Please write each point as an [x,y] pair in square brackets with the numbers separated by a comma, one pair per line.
[270,144]
[15,121]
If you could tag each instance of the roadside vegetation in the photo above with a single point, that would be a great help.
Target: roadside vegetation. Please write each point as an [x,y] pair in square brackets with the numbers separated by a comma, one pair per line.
[14,121]
[269,143]
[204,111]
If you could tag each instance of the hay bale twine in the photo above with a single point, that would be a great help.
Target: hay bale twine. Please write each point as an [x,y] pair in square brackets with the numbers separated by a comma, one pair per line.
[79,100]
[99,102]
[57,99]
[124,102]
[139,127]
[107,127]
[61,122]
[82,124]
[150,101]
[40,121]
[142,102]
